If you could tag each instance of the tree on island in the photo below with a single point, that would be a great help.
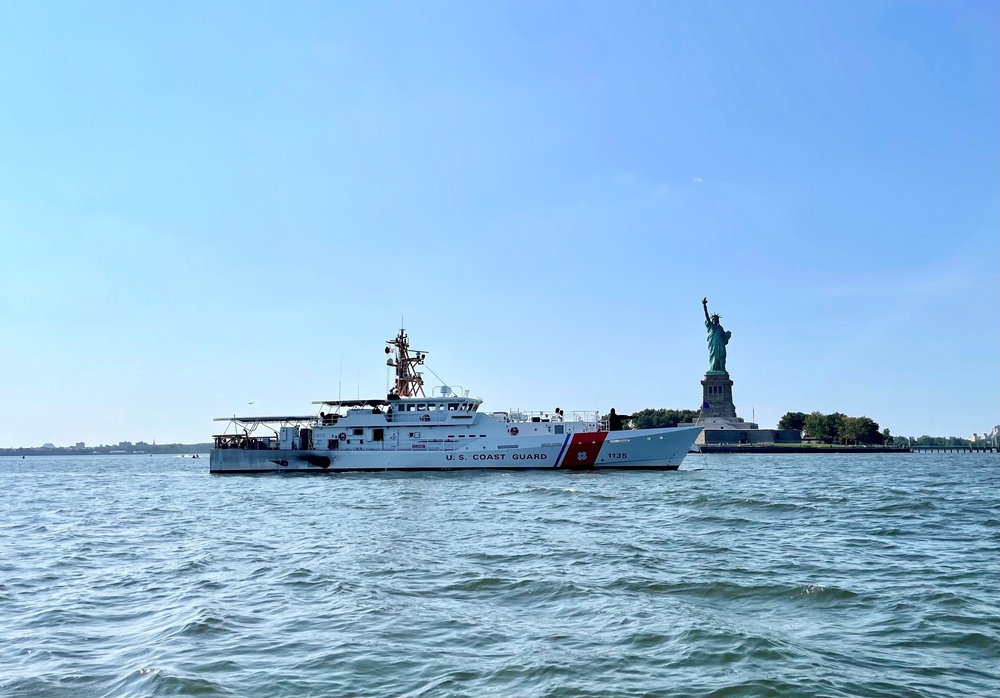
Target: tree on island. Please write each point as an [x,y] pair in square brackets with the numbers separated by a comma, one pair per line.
[651,418]
[926,440]
[839,428]
[793,420]
[836,428]
[824,427]
[657,419]
[860,430]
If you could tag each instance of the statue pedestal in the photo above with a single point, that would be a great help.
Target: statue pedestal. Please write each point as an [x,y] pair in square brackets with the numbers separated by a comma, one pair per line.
[717,393]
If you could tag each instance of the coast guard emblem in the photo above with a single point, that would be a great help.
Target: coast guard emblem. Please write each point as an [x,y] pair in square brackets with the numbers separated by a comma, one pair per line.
[581,455]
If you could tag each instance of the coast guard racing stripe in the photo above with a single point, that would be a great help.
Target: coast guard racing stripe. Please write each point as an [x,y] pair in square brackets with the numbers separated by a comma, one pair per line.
[583,450]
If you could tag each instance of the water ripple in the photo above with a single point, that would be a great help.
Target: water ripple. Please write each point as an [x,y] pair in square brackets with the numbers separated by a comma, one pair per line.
[736,576]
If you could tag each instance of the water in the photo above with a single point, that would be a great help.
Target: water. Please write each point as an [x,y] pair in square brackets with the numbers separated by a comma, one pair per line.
[809,575]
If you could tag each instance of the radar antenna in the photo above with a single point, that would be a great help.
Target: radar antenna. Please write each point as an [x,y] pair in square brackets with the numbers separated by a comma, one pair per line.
[409,383]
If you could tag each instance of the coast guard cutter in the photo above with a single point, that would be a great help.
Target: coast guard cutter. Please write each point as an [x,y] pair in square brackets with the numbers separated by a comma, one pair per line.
[409,430]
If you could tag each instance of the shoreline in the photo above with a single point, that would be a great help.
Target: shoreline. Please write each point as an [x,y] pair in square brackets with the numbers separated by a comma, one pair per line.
[772,448]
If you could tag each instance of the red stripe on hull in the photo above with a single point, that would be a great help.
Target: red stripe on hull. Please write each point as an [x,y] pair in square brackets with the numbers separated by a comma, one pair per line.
[583,450]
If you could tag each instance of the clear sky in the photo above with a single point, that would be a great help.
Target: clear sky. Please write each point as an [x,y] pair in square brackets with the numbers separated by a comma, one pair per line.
[208,204]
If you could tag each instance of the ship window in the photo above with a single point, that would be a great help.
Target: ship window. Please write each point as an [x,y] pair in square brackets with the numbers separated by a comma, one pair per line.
[422,407]
[357,432]
[559,429]
[409,408]
[377,434]
[452,406]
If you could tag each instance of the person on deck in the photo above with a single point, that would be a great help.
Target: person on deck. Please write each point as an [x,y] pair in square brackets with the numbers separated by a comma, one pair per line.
[615,421]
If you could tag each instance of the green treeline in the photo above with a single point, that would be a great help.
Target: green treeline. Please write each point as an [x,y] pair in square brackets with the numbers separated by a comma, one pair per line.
[650,418]
[127,447]
[835,428]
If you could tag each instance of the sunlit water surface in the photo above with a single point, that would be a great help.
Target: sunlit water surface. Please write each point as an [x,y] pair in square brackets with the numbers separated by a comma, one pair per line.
[737,576]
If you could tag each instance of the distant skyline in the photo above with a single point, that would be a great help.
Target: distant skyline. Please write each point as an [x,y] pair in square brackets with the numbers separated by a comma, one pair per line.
[206,205]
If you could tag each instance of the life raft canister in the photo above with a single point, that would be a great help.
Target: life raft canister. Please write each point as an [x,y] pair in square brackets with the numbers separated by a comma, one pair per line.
[342,436]
[513,431]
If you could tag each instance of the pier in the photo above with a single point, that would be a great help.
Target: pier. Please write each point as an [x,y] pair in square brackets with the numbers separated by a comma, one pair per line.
[817,448]
[954,449]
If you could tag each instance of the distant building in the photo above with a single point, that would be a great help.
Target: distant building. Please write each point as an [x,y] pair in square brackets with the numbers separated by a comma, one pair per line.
[989,437]
[80,444]
[48,445]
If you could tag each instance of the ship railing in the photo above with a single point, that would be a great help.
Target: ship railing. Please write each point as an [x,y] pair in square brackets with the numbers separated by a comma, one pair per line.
[429,445]
[242,442]
[540,416]
[435,417]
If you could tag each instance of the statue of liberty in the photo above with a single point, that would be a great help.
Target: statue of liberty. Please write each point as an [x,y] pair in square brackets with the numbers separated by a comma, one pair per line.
[718,338]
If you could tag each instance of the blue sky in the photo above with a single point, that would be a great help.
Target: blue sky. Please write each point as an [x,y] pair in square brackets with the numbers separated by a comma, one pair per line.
[204,205]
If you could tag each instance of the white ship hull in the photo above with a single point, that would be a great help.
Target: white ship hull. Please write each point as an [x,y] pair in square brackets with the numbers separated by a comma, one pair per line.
[653,449]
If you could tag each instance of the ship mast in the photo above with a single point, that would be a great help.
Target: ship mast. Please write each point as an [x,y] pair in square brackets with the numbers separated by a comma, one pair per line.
[409,383]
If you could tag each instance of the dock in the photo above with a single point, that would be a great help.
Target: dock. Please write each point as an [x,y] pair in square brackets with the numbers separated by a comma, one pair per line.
[954,449]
